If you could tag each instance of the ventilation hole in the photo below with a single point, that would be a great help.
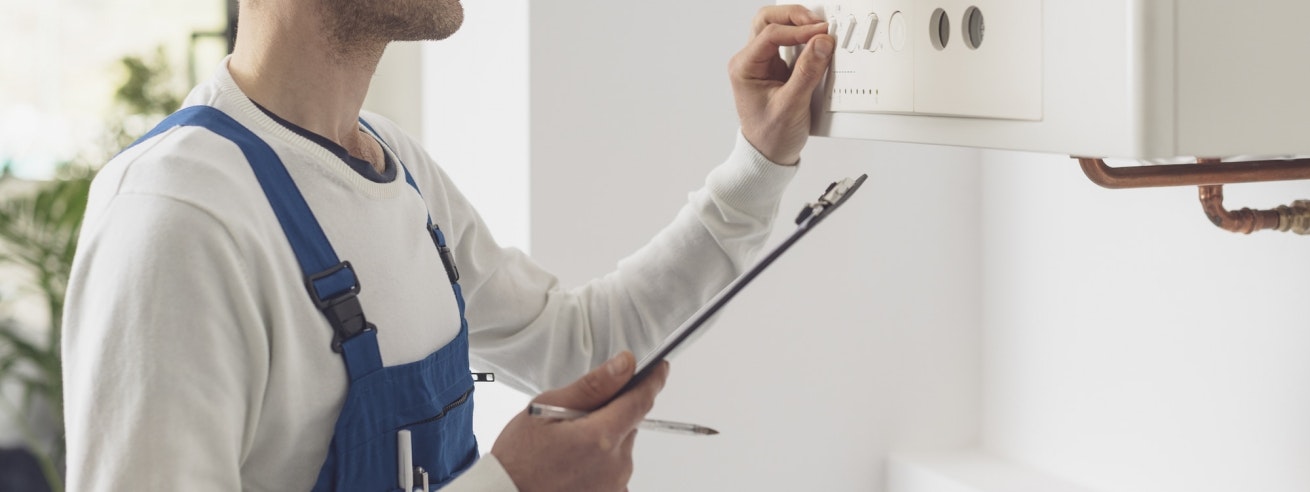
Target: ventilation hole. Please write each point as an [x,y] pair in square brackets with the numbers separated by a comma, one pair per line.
[939,29]
[974,28]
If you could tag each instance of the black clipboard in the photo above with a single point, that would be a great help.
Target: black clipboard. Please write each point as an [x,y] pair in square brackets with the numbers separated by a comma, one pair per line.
[810,216]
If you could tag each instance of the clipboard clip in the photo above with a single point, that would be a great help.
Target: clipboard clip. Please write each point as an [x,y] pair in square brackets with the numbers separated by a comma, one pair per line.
[835,195]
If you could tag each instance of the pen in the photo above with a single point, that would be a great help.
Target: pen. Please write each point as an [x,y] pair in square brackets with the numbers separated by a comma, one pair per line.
[405,456]
[553,412]
[421,479]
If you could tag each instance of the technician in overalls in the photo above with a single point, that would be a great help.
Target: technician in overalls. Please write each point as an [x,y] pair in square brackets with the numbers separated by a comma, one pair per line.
[271,287]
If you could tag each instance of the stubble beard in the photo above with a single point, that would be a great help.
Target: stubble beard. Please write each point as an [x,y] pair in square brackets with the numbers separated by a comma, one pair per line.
[355,25]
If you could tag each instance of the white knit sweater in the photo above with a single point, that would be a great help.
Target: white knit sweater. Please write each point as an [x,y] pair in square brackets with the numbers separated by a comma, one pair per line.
[195,361]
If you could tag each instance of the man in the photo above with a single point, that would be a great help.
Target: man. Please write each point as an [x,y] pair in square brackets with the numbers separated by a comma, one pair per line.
[216,341]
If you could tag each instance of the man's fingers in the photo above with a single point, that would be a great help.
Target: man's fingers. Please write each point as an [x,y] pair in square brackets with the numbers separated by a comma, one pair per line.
[810,68]
[621,416]
[594,388]
[792,15]
[763,50]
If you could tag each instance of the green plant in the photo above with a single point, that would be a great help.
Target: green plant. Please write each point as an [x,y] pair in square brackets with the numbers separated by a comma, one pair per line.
[145,97]
[145,91]
[38,233]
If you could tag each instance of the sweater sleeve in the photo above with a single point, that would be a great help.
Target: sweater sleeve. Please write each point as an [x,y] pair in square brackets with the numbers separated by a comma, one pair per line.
[163,360]
[538,335]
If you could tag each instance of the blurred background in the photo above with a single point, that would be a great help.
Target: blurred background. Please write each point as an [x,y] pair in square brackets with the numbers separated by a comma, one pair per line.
[81,80]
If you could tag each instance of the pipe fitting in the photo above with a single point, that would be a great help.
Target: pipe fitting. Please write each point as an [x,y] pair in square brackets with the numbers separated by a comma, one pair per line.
[1243,221]
[1295,218]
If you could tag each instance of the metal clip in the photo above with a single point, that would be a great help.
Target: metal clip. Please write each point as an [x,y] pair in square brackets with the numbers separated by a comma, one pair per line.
[831,197]
[421,479]
[447,257]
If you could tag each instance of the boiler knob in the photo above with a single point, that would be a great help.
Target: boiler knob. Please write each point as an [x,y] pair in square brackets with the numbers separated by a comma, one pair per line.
[848,34]
[870,32]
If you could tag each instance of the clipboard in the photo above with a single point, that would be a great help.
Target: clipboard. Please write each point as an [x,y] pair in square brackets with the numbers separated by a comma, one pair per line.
[810,216]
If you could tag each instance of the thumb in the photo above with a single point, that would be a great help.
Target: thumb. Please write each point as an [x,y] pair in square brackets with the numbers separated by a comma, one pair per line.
[594,388]
[810,67]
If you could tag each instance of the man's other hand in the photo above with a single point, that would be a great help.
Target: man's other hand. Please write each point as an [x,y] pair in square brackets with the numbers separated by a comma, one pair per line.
[773,101]
[590,453]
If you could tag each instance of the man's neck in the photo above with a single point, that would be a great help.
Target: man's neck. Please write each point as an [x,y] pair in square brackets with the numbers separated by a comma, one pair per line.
[296,72]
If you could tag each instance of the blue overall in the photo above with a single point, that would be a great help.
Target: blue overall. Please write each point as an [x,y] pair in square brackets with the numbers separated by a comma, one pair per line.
[432,398]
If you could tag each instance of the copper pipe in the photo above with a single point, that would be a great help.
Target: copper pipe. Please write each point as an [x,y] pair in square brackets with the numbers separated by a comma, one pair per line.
[1193,175]
[1245,221]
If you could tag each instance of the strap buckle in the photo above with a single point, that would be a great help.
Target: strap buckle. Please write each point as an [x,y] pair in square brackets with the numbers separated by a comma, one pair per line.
[343,311]
[447,257]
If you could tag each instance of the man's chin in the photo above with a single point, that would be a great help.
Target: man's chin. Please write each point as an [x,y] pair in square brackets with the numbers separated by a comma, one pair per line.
[449,21]
[408,20]
[442,28]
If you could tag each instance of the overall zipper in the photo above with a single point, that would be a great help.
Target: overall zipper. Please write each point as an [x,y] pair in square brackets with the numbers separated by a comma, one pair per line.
[451,406]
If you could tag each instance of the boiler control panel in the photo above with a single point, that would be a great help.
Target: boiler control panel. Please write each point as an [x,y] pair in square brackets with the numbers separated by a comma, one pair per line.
[967,58]
[1136,79]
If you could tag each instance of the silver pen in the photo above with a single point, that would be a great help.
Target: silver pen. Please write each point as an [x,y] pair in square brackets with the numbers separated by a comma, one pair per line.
[561,413]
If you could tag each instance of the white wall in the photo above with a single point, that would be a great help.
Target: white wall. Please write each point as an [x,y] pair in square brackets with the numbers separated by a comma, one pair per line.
[861,340]
[868,331]
[475,112]
[396,90]
[1132,346]
[628,95]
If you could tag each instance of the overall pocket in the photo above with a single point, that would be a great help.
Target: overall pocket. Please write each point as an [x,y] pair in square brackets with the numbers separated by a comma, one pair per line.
[444,444]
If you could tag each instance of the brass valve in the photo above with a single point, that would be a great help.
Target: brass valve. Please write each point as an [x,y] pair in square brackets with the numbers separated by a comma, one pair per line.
[1295,218]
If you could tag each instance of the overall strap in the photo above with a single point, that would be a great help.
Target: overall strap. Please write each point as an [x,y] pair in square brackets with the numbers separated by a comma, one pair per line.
[332,284]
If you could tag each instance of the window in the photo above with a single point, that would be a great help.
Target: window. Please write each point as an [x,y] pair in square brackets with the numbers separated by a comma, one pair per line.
[61,60]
